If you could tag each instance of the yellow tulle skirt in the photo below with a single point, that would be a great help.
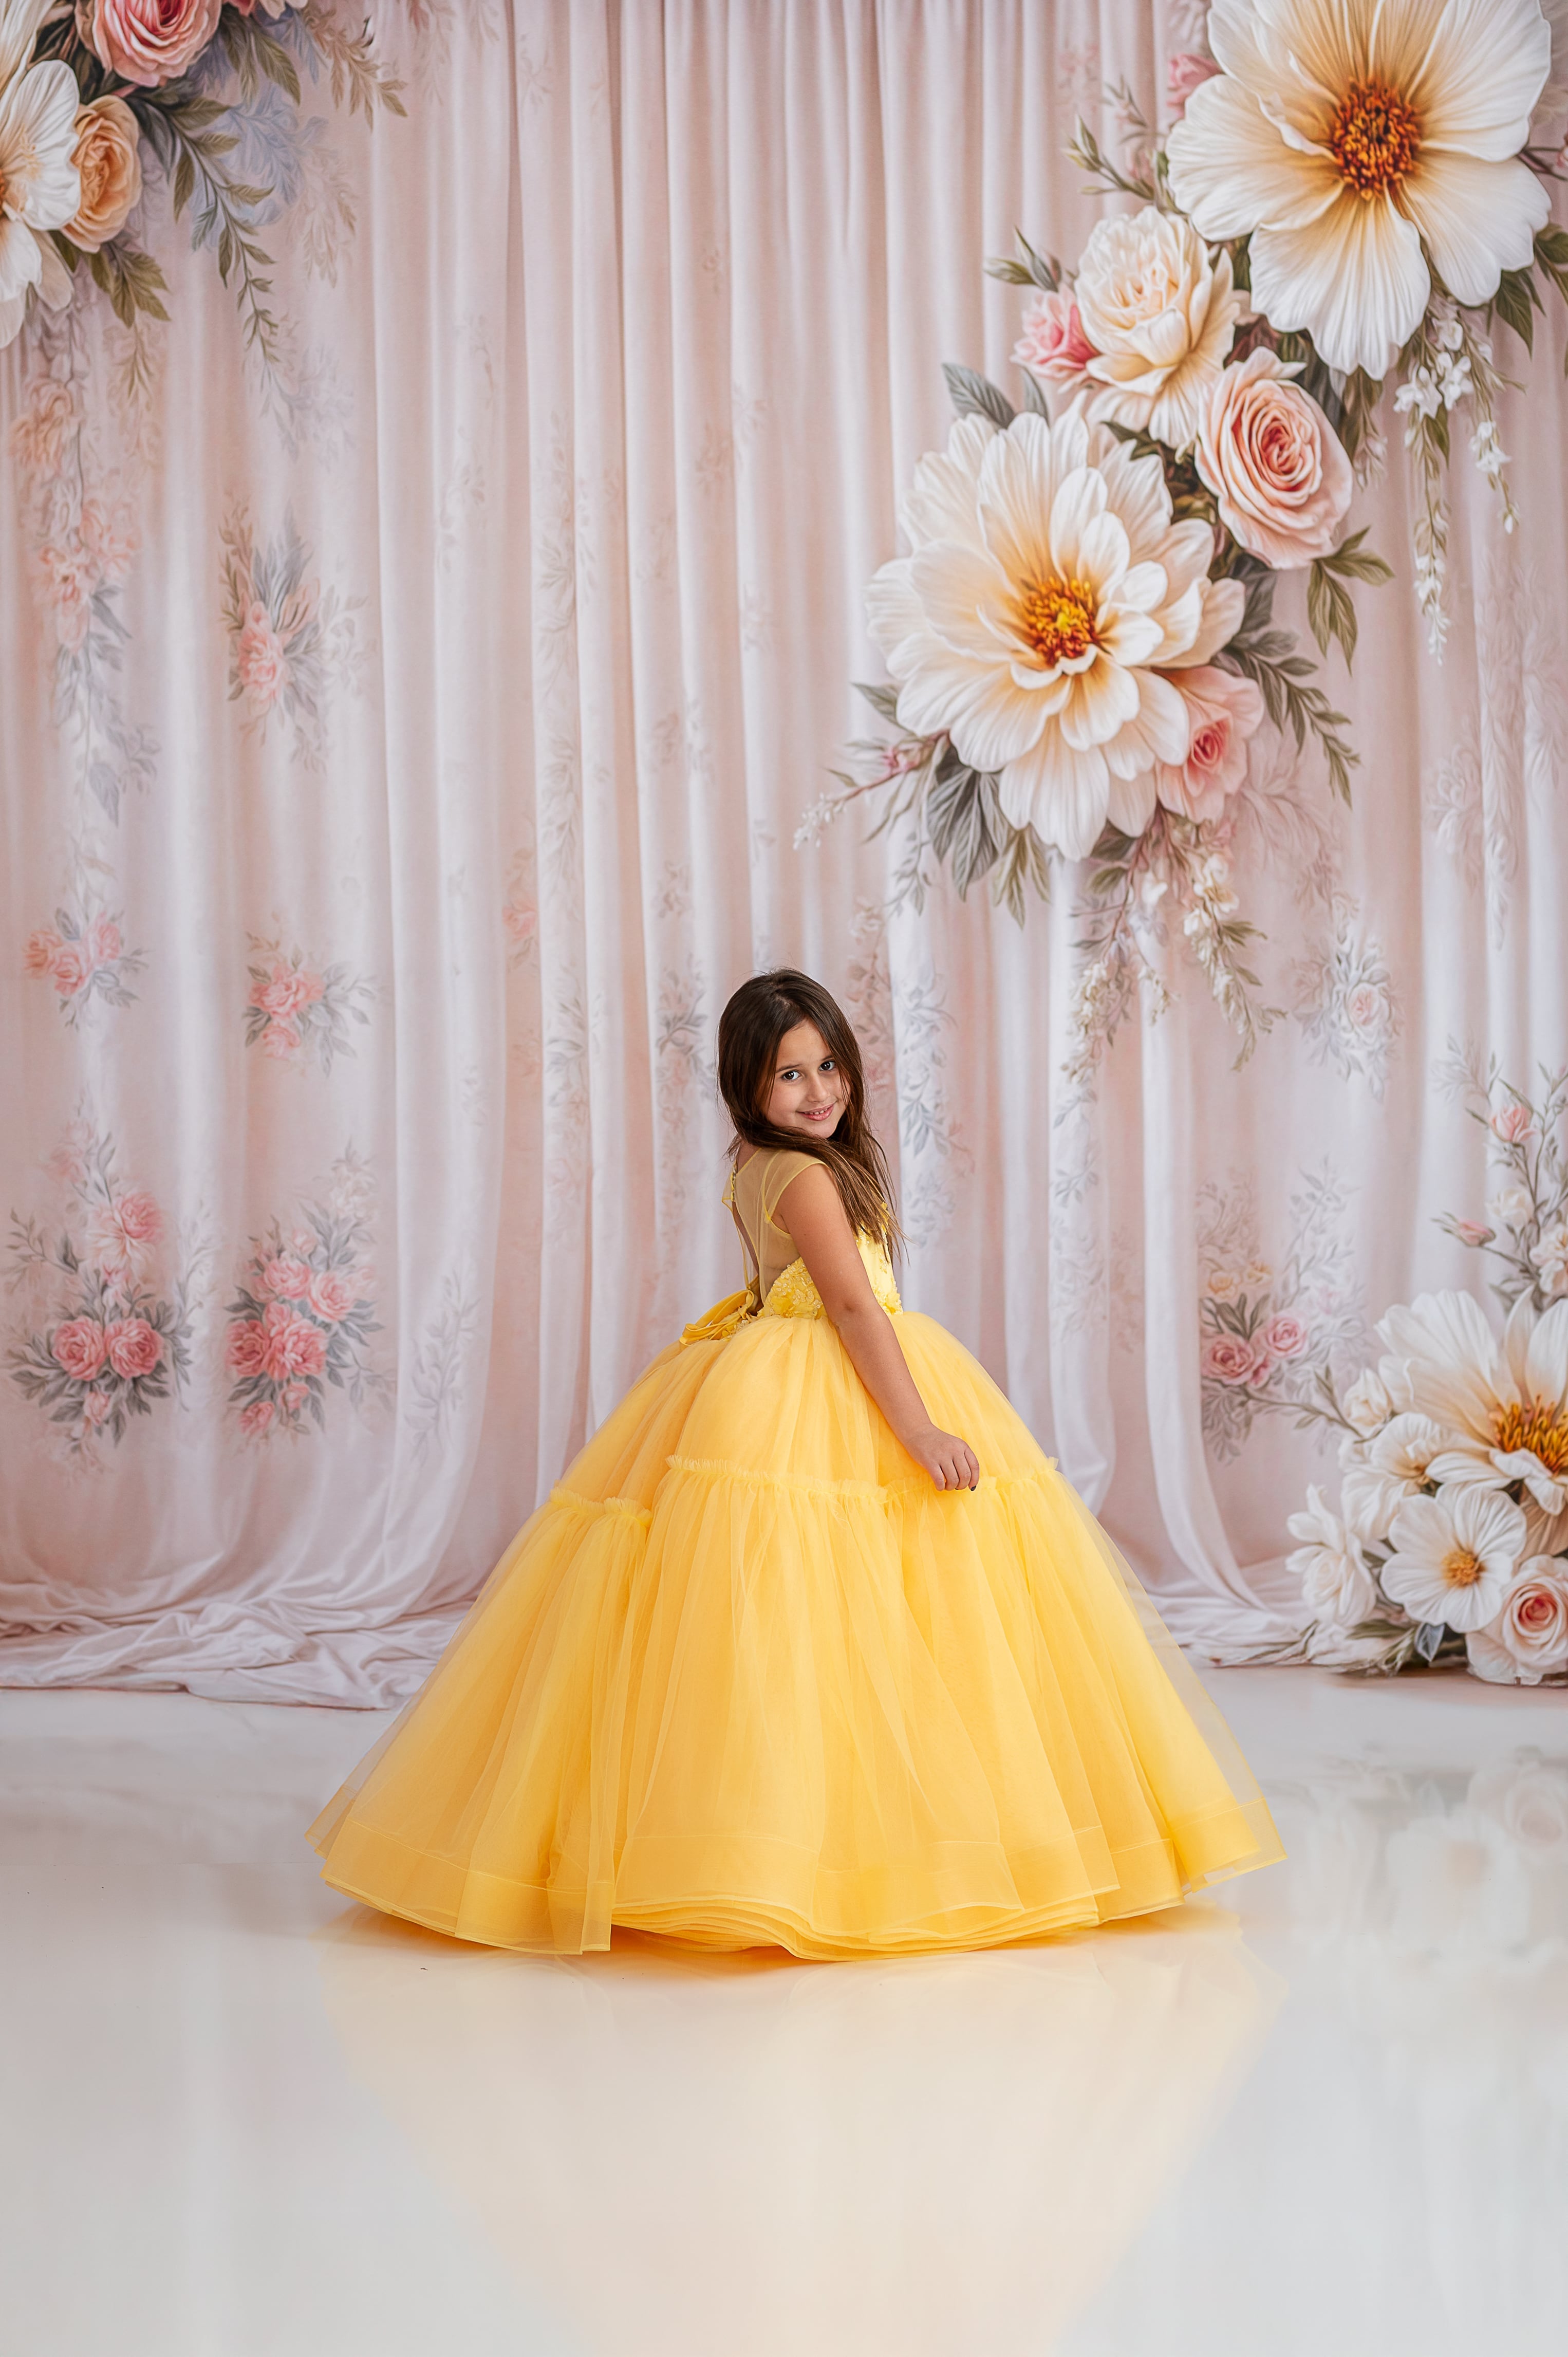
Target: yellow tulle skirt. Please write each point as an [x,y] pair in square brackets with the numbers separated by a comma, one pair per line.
[747,1678]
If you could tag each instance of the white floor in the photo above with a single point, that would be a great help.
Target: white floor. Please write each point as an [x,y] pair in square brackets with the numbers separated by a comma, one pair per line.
[1326,2116]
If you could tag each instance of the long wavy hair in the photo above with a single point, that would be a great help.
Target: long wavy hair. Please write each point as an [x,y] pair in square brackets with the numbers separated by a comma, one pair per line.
[750,1029]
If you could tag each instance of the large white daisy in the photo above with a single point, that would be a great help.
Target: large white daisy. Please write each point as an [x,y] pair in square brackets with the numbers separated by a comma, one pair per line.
[1504,1404]
[1363,145]
[39,186]
[1454,1556]
[1046,589]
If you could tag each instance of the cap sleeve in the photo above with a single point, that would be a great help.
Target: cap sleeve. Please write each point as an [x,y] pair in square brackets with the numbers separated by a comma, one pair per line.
[781,1168]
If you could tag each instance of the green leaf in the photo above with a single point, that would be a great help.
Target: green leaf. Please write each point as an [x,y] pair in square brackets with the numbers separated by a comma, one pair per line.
[882,697]
[974,395]
[1351,562]
[1515,303]
[1329,610]
[1035,399]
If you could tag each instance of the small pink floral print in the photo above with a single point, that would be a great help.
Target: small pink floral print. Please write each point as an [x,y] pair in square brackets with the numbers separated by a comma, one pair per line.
[1513,1124]
[108,1343]
[291,641]
[1230,1359]
[83,955]
[45,430]
[1270,1337]
[1284,1335]
[295,1005]
[303,1314]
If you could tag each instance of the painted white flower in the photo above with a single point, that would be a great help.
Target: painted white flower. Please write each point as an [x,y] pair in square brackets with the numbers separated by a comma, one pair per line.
[1363,146]
[1332,1570]
[1161,316]
[39,187]
[1511,1207]
[1505,1403]
[1046,587]
[1454,1556]
[1550,1257]
[1393,1469]
[1368,1402]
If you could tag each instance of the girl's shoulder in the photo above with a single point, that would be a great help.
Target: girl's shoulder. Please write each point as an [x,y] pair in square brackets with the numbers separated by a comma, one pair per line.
[767,1170]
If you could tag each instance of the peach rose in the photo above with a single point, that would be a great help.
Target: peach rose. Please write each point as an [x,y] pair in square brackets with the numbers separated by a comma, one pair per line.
[97,1407]
[147,41]
[71,968]
[1052,343]
[260,660]
[289,989]
[120,1232]
[1223,713]
[255,1419]
[1273,462]
[134,1347]
[105,943]
[79,1346]
[280,1039]
[108,535]
[287,1276]
[1513,1124]
[39,436]
[330,1296]
[294,1396]
[1230,1359]
[106,158]
[43,948]
[1533,1627]
[70,579]
[1183,73]
[294,1346]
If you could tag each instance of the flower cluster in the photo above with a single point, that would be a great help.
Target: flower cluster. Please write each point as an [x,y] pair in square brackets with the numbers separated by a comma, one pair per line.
[86,958]
[300,1319]
[294,1006]
[91,94]
[289,637]
[112,1342]
[1451,1535]
[1080,640]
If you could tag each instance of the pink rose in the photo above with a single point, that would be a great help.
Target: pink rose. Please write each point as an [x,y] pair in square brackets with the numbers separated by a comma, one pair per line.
[330,1296]
[71,968]
[120,1232]
[293,1345]
[1223,713]
[1284,1337]
[287,1276]
[247,1348]
[260,660]
[96,1409]
[69,580]
[1052,343]
[79,1348]
[108,534]
[134,1347]
[1533,1622]
[43,948]
[1471,1233]
[104,941]
[1513,1124]
[39,436]
[290,988]
[255,1419]
[294,1396]
[521,921]
[1273,462]
[147,41]
[280,1039]
[1230,1359]
[1364,1006]
[1183,74]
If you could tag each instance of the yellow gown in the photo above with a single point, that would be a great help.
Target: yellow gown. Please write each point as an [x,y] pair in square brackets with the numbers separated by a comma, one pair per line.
[748,1678]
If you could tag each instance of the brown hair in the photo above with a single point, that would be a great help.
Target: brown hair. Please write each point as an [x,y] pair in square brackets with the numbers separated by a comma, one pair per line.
[761,1011]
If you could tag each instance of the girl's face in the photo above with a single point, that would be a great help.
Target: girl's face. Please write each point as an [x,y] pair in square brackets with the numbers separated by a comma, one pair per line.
[808,1092]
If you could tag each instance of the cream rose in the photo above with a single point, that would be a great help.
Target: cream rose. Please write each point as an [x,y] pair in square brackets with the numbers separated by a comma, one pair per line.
[106,158]
[1273,462]
[1161,316]
[147,41]
[1533,1627]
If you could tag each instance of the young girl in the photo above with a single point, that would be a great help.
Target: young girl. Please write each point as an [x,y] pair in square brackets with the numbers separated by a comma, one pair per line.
[811,1646]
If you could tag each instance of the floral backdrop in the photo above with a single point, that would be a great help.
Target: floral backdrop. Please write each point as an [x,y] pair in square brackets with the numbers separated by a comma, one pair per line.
[414,720]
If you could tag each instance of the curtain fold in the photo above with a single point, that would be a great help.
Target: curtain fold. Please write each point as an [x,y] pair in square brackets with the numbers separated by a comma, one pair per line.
[428,767]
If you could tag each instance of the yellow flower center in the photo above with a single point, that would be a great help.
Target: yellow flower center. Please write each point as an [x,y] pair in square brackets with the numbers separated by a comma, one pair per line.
[1375,139]
[1541,1429]
[1462,1568]
[1057,619]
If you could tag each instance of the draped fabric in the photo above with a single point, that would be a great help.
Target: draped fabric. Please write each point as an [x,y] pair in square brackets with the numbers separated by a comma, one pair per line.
[405,739]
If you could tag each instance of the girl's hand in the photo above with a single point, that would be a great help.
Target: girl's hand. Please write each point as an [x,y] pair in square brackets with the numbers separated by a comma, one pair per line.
[950,1462]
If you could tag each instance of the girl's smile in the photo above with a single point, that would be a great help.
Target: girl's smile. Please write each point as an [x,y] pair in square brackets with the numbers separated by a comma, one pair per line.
[808,1091]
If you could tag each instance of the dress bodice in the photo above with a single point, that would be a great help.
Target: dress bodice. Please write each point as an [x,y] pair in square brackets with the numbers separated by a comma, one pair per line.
[784,1286]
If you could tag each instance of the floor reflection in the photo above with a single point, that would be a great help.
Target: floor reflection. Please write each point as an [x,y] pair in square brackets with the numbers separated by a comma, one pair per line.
[683,2155]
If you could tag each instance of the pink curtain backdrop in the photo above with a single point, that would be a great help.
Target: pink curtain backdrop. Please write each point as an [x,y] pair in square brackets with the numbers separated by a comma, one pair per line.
[413,766]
